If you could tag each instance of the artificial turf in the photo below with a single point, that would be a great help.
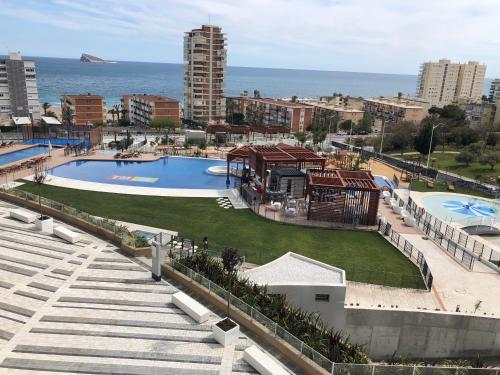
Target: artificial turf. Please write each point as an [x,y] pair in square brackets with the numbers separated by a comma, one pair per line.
[366,256]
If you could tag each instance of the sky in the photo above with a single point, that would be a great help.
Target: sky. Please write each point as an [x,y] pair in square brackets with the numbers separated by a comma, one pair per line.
[381,36]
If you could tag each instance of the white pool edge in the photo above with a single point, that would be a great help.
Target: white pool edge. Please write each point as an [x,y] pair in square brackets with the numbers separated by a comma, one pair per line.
[135,190]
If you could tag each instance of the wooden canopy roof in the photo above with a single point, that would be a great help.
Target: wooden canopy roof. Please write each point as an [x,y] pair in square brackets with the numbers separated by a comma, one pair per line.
[340,179]
[278,153]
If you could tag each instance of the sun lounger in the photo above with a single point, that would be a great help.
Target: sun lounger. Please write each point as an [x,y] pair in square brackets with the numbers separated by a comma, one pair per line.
[276,206]
[22,215]
[404,214]
[397,209]
[67,234]
[290,211]
[410,221]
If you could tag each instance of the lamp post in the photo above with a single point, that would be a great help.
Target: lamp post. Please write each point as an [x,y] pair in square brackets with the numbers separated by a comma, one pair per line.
[430,143]
[382,139]
[350,136]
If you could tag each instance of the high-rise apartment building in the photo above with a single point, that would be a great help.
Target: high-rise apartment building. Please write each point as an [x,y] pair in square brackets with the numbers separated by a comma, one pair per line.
[205,60]
[18,90]
[494,90]
[444,82]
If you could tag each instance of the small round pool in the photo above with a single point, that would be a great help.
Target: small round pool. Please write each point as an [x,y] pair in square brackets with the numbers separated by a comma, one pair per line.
[171,172]
[462,209]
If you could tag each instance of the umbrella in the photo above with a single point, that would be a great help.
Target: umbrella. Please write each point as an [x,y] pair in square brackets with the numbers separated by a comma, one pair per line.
[50,147]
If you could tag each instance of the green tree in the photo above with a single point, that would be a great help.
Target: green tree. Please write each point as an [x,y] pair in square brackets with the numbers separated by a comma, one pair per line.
[465,157]
[112,112]
[164,123]
[67,115]
[365,124]
[99,123]
[117,109]
[492,140]
[318,132]
[51,114]
[294,98]
[423,139]
[490,158]
[301,137]
[346,125]
[45,107]
[256,93]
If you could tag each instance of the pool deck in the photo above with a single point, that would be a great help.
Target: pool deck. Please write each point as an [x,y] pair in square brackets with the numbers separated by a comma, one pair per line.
[453,285]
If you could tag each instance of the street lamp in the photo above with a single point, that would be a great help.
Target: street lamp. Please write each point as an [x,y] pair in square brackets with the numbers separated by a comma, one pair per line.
[430,143]
[382,138]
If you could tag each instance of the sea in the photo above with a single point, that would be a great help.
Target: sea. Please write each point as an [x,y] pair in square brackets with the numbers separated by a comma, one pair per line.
[58,76]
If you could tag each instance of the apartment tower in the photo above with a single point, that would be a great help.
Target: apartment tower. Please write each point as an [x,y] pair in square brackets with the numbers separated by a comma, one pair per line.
[205,61]
[18,90]
[494,90]
[444,82]
[87,109]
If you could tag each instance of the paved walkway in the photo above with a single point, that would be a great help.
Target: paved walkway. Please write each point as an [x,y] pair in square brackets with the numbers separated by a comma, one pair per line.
[85,308]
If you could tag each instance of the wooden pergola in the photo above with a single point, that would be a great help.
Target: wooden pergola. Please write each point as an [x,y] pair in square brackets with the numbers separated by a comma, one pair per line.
[264,158]
[349,197]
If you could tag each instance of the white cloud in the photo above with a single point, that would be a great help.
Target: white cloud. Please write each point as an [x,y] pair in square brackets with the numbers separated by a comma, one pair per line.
[356,35]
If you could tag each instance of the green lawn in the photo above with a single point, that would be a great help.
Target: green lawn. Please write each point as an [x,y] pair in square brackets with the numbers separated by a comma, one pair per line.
[446,162]
[422,186]
[366,256]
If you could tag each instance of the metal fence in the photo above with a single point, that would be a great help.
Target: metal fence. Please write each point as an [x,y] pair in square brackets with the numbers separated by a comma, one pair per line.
[428,172]
[463,247]
[307,351]
[408,250]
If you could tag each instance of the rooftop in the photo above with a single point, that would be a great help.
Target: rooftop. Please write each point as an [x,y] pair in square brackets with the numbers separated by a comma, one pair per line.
[394,102]
[82,96]
[341,179]
[292,268]
[280,102]
[152,98]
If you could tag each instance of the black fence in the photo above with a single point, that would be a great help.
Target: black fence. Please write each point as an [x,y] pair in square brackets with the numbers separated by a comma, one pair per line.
[424,171]
[463,247]
[410,251]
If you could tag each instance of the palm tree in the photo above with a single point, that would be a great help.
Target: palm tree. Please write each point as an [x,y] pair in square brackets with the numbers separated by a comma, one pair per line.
[67,115]
[112,112]
[45,107]
[117,111]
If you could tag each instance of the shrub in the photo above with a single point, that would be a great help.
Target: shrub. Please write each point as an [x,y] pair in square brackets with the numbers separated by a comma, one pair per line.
[306,326]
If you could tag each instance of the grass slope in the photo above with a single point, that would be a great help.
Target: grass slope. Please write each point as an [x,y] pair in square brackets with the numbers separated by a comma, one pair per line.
[366,256]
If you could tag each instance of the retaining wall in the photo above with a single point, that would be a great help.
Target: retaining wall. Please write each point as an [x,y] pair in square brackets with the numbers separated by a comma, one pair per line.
[423,334]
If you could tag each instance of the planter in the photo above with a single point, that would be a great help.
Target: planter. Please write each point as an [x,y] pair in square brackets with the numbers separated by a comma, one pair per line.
[226,331]
[44,224]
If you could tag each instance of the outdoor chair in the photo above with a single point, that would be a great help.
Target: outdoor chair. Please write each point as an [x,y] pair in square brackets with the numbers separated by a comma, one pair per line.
[410,221]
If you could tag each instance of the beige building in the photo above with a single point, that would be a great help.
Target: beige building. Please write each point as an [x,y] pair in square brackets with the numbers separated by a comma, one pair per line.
[204,75]
[324,110]
[394,110]
[444,82]
[141,109]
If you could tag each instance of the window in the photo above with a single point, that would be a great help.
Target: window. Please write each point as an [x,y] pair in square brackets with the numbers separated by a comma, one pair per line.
[322,298]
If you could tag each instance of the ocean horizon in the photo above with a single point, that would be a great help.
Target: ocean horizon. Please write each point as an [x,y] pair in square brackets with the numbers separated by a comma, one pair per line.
[59,76]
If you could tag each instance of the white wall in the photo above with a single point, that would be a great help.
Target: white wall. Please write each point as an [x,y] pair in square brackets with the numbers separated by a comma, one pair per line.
[303,296]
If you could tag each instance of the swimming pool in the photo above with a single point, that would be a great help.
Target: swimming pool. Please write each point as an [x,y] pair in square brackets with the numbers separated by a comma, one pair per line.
[462,209]
[26,153]
[171,172]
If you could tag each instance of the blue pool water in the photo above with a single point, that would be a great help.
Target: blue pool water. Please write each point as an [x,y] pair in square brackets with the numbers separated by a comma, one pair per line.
[171,172]
[462,209]
[61,142]
[14,156]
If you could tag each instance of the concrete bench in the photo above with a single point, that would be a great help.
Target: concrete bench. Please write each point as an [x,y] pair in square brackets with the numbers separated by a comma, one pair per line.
[22,215]
[67,234]
[263,363]
[191,307]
